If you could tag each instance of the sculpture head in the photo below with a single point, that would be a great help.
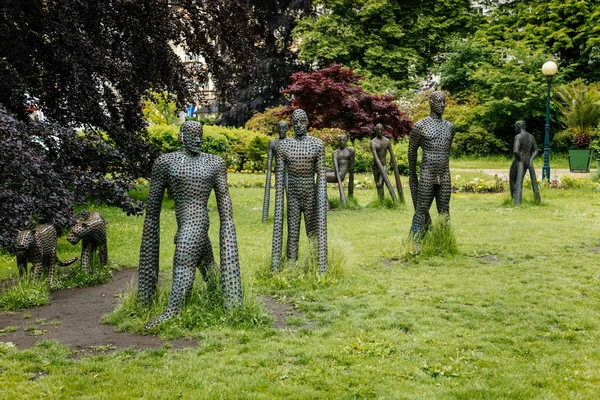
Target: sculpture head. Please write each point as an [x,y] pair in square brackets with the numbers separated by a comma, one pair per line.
[379,130]
[437,103]
[342,139]
[300,122]
[282,128]
[519,126]
[190,136]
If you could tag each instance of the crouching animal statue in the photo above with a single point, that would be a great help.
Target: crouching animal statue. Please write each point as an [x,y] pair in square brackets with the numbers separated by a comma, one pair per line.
[92,233]
[38,246]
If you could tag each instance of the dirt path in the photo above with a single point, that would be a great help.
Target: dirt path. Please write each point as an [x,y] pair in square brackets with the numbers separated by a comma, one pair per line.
[73,318]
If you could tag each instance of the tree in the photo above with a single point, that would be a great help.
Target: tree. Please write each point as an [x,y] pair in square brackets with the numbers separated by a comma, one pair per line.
[45,170]
[392,43]
[567,29]
[332,98]
[249,50]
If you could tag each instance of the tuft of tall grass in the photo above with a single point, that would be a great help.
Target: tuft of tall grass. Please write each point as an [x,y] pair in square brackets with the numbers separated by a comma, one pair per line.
[28,292]
[439,240]
[204,309]
[304,272]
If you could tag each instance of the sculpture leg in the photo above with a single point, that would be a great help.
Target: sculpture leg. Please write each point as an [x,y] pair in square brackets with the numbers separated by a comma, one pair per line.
[22,265]
[512,178]
[207,259]
[518,189]
[294,215]
[51,262]
[189,247]
[534,184]
[86,253]
[267,199]
[103,252]
[442,198]
[421,219]
[379,184]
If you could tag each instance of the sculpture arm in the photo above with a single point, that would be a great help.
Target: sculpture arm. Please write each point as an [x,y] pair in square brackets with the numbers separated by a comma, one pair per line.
[149,250]
[280,173]
[231,281]
[321,183]
[535,153]
[517,148]
[336,171]
[396,174]
[383,172]
[413,146]
[351,174]
[267,197]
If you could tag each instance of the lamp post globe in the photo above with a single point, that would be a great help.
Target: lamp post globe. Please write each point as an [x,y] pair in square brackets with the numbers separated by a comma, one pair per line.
[549,69]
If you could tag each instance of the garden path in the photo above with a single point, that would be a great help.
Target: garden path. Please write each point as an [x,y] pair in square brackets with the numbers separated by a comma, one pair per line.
[73,318]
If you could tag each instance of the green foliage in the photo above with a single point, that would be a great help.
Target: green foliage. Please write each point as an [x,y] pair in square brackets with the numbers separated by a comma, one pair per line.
[477,141]
[266,121]
[28,292]
[579,106]
[390,42]
[161,109]
[246,148]
[164,137]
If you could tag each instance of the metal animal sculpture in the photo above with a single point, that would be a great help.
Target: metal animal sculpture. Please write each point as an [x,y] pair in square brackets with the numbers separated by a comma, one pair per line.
[525,150]
[190,176]
[380,146]
[343,163]
[38,247]
[302,158]
[92,233]
[434,135]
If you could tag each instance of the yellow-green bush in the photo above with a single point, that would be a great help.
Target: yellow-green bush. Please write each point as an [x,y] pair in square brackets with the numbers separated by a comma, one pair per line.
[266,121]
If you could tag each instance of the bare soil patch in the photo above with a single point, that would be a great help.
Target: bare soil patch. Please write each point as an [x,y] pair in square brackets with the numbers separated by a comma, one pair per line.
[73,318]
[282,311]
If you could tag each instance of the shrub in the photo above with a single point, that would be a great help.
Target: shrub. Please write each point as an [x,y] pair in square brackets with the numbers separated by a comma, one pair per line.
[243,147]
[477,141]
[266,121]
[164,137]
[332,98]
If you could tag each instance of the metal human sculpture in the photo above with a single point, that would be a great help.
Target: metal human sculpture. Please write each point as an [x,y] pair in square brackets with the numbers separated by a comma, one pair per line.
[92,233]
[38,246]
[433,135]
[282,128]
[189,176]
[343,164]
[525,150]
[301,157]
[380,146]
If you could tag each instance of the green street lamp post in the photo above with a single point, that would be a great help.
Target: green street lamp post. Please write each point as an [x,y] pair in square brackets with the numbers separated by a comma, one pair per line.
[549,69]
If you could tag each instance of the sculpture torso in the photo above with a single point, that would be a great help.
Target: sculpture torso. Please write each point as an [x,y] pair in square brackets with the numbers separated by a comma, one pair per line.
[190,181]
[380,146]
[524,147]
[435,136]
[344,159]
[299,157]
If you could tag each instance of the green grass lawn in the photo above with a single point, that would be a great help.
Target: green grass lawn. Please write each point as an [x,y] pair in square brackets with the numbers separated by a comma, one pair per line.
[514,315]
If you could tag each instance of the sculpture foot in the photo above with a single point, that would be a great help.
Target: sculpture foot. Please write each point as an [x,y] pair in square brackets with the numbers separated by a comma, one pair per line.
[158,320]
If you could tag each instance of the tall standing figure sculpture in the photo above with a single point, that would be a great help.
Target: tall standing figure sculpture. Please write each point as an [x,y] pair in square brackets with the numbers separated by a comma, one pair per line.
[189,175]
[282,128]
[525,150]
[433,135]
[343,164]
[302,158]
[380,146]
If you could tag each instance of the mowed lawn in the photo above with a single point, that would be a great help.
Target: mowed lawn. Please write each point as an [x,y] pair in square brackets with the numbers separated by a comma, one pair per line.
[514,315]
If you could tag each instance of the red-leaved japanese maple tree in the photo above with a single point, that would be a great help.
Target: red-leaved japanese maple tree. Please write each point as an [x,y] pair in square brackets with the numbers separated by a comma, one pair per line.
[332,98]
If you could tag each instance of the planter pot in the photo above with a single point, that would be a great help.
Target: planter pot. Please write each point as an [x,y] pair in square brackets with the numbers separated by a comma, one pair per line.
[579,160]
